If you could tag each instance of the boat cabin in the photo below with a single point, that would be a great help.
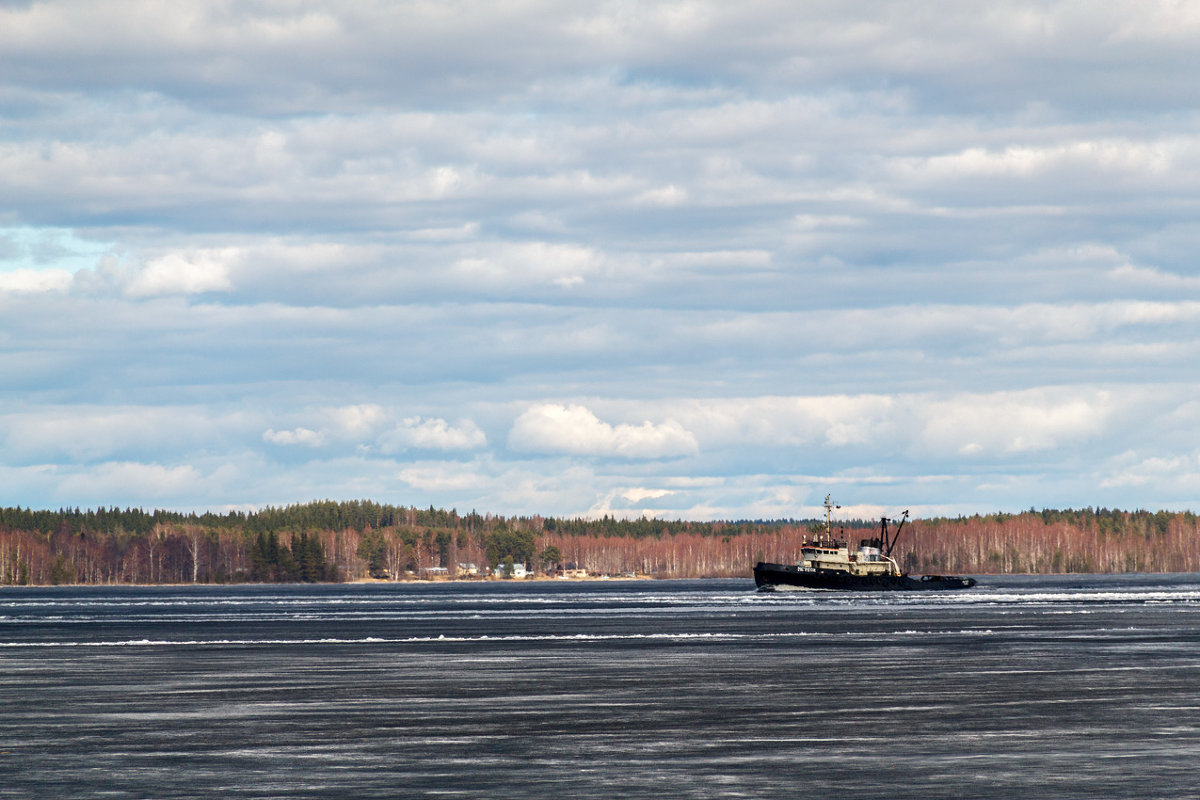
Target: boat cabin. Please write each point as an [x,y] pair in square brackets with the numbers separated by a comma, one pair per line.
[826,552]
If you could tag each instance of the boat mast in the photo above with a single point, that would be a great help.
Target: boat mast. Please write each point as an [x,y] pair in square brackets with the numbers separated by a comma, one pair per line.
[829,507]
[896,535]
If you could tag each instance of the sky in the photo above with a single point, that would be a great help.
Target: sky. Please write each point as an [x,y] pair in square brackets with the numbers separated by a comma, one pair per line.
[698,260]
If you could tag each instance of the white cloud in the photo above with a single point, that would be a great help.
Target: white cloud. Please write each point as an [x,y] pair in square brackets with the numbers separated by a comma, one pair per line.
[717,262]
[192,273]
[1024,161]
[358,424]
[367,426]
[1167,474]
[434,477]
[20,281]
[300,436]
[152,481]
[517,265]
[665,196]
[1013,423]
[553,428]
[833,421]
[993,425]
[637,494]
[95,433]
[466,231]
[357,421]
[1142,277]
[433,434]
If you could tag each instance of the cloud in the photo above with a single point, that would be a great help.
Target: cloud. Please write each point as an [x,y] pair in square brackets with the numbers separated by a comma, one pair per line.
[178,274]
[1115,156]
[435,477]
[1013,424]
[734,253]
[300,436]
[513,265]
[43,259]
[664,196]
[152,480]
[638,494]
[1142,277]
[998,426]
[21,281]
[141,276]
[369,427]
[148,485]
[80,433]
[357,421]
[433,434]
[552,428]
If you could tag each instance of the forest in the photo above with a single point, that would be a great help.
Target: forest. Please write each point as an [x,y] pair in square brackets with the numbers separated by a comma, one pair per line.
[326,541]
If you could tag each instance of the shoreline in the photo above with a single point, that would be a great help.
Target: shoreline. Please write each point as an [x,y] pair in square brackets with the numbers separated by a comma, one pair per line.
[531,579]
[362,581]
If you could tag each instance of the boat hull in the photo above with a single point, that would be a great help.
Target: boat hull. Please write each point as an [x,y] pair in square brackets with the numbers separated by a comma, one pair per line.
[770,576]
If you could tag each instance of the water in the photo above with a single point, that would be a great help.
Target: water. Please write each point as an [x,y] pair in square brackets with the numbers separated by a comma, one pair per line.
[1048,687]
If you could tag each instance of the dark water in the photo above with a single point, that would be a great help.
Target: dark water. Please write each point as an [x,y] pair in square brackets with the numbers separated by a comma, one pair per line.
[1080,687]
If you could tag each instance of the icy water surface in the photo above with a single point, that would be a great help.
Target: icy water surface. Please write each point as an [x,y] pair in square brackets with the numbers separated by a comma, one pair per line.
[1076,686]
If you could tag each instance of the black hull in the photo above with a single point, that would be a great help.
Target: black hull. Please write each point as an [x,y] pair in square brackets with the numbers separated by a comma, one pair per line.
[768,576]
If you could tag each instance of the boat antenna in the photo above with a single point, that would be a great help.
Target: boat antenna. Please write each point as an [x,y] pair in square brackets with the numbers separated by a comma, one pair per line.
[896,535]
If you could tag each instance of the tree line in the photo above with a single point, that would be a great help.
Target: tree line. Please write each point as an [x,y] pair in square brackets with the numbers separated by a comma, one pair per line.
[343,541]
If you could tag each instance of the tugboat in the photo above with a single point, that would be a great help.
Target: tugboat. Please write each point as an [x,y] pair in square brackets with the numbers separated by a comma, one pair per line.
[827,563]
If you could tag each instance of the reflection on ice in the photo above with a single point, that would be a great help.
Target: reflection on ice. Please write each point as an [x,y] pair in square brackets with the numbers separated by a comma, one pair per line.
[1019,687]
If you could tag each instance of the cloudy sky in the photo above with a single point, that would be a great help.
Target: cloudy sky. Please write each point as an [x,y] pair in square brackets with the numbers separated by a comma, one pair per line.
[685,259]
